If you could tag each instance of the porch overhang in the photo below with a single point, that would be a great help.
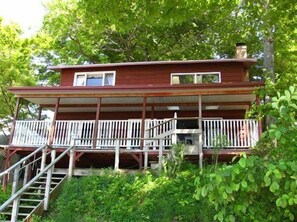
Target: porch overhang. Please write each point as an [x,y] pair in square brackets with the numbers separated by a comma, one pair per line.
[224,96]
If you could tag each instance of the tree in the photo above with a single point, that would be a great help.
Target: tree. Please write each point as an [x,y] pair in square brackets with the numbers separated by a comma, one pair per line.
[15,69]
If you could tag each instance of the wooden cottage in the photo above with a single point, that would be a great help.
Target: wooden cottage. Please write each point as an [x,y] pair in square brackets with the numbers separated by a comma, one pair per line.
[138,108]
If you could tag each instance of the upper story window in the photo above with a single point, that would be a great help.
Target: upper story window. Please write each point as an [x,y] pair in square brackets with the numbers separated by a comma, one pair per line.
[106,78]
[195,78]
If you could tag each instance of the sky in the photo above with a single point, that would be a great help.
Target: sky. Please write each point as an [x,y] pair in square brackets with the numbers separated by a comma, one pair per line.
[27,13]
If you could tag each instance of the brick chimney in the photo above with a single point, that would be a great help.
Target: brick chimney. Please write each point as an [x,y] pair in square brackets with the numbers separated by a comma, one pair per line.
[241,51]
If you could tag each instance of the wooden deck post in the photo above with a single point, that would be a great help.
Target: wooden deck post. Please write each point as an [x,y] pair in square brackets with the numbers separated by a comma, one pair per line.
[143,121]
[160,155]
[152,112]
[7,165]
[96,123]
[200,149]
[71,162]
[39,113]
[117,155]
[145,157]
[52,131]
[15,116]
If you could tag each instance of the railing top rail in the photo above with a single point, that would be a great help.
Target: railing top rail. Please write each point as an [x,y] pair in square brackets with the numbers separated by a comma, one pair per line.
[32,120]
[104,139]
[21,161]
[24,188]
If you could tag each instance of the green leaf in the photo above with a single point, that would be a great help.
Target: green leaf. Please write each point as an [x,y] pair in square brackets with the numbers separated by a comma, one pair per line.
[236,170]
[293,105]
[225,195]
[288,94]
[277,174]
[244,184]
[242,162]
[277,134]
[251,177]
[204,191]
[267,180]
[292,89]
[274,186]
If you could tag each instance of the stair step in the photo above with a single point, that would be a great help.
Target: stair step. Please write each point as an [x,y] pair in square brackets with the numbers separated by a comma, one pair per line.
[38,188]
[34,194]
[43,182]
[24,206]
[53,178]
[19,214]
[31,200]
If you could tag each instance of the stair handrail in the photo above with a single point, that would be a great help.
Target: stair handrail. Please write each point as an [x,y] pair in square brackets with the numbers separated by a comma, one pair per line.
[26,186]
[7,171]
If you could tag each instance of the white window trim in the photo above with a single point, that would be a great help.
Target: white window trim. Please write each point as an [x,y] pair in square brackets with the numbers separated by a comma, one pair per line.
[193,73]
[94,73]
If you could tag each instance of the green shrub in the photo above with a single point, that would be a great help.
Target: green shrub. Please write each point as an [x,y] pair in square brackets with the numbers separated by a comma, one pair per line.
[122,197]
[174,161]
[253,189]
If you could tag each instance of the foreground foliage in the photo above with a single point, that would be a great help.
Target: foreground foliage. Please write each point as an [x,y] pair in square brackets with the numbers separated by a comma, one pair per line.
[121,197]
[253,189]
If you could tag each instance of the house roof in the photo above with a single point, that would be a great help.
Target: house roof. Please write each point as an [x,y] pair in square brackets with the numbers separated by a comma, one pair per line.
[246,62]
[127,98]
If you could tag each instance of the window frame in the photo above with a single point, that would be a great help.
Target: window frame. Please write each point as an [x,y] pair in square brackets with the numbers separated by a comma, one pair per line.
[103,73]
[195,77]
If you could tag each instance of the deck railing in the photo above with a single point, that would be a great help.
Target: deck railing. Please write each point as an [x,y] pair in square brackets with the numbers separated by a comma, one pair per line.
[230,133]
[233,133]
[31,133]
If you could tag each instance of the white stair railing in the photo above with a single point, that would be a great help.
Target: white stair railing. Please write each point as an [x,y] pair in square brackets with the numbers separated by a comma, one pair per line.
[48,170]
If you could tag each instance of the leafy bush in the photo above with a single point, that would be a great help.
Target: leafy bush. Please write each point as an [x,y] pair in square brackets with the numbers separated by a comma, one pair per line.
[123,197]
[280,140]
[253,189]
[174,161]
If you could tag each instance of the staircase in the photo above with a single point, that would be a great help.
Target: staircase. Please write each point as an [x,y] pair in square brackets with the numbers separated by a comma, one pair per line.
[34,195]
[32,200]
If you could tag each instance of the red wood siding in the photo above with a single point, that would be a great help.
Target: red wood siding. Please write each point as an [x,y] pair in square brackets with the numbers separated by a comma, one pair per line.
[160,74]
[226,114]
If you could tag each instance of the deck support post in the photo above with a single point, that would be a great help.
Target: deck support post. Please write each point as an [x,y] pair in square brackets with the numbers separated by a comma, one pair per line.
[48,182]
[71,162]
[200,149]
[15,182]
[117,155]
[7,165]
[145,149]
[174,127]
[15,116]
[143,121]
[43,159]
[160,155]
[52,131]
[96,123]
[26,175]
